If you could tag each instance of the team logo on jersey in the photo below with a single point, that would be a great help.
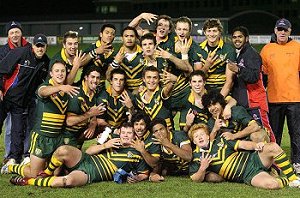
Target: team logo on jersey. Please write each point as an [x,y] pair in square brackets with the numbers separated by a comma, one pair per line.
[129,154]
[156,102]
[220,144]
[222,57]
[142,61]
[26,63]
[241,63]
[38,152]
[66,140]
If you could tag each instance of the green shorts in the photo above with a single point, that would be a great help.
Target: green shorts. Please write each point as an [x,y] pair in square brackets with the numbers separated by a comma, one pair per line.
[72,140]
[43,146]
[93,167]
[178,100]
[254,166]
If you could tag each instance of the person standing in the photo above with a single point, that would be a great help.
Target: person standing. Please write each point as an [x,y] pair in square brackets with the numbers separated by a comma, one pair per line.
[281,63]
[15,39]
[25,68]
[248,88]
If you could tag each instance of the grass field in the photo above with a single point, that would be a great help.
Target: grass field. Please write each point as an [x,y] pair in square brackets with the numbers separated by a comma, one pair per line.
[172,187]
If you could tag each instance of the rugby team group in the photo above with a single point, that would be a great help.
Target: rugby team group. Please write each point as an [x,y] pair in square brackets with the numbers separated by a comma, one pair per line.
[228,127]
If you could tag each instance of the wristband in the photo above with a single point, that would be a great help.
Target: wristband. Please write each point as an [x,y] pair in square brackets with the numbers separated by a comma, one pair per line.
[184,56]
[115,65]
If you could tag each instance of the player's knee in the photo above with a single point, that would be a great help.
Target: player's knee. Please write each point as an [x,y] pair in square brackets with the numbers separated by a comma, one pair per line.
[273,147]
[62,151]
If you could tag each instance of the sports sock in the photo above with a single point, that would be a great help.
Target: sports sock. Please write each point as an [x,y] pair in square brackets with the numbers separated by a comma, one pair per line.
[53,164]
[283,162]
[16,168]
[283,181]
[46,182]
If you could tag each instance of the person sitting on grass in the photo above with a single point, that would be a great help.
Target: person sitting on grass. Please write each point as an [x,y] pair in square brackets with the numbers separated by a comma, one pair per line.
[239,160]
[101,162]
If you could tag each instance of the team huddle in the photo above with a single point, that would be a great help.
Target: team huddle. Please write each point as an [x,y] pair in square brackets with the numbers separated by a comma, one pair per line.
[128,98]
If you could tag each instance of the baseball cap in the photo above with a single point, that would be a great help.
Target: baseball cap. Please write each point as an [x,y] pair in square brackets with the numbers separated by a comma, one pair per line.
[40,39]
[283,23]
[11,25]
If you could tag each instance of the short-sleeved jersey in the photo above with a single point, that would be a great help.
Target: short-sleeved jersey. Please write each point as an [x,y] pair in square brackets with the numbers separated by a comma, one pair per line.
[239,120]
[169,159]
[78,105]
[133,65]
[201,114]
[216,73]
[61,56]
[51,113]
[101,60]
[155,108]
[115,113]
[153,149]
[227,161]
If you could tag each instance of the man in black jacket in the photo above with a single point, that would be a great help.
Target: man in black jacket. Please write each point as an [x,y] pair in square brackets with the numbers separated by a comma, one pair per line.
[15,39]
[21,71]
[248,87]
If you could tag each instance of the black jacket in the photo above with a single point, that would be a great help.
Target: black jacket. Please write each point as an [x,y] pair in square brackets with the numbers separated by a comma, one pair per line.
[20,75]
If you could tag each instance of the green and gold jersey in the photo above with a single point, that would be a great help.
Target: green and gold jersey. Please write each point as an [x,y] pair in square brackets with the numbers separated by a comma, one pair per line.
[128,159]
[101,60]
[201,114]
[239,120]
[153,149]
[171,161]
[61,56]
[133,65]
[168,42]
[115,113]
[216,73]
[227,161]
[78,105]
[51,113]
[155,107]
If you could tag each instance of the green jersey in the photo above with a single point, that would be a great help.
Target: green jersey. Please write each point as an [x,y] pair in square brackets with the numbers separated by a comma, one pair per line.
[239,120]
[201,114]
[153,149]
[228,162]
[101,60]
[133,66]
[115,113]
[78,105]
[155,107]
[171,161]
[51,113]
[61,56]
[216,73]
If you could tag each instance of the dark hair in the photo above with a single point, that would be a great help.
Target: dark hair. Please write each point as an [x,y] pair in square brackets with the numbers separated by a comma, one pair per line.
[126,125]
[197,73]
[118,71]
[167,18]
[211,23]
[148,36]
[241,29]
[184,19]
[157,121]
[130,28]
[70,34]
[90,69]
[107,25]
[140,115]
[213,97]
[150,68]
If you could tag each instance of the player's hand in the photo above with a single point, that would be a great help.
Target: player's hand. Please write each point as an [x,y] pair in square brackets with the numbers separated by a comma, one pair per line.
[126,100]
[160,139]
[156,178]
[148,17]
[232,66]
[190,116]
[161,53]
[97,110]
[120,55]
[218,124]
[113,143]
[104,48]
[205,160]
[138,144]
[228,136]
[184,48]
[167,77]
[259,146]
[78,59]
[211,58]
[70,90]
[132,179]
[226,113]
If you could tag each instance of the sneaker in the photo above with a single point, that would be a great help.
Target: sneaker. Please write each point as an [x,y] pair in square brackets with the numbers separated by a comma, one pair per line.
[25,161]
[19,181]
[297,168]
[295,183]
[4,169]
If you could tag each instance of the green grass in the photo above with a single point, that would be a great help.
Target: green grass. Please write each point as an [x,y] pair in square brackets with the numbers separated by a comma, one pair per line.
[172,187]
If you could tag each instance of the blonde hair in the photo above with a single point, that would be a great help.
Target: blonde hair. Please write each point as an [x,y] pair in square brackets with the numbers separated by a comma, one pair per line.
[196,127]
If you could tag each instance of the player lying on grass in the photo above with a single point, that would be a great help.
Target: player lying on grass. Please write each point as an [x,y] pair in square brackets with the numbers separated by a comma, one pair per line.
[101,164]
[239,161]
